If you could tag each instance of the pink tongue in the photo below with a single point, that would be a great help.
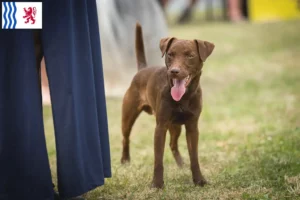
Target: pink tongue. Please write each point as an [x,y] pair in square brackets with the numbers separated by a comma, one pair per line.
[178,90]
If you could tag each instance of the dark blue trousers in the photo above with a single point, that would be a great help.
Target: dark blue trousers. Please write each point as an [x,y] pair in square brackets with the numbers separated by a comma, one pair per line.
[71,45]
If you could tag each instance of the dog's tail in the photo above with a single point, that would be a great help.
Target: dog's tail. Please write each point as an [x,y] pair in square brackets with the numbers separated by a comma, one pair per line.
[139,47]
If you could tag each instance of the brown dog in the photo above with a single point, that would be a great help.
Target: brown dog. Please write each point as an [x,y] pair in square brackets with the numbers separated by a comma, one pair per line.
[173,95]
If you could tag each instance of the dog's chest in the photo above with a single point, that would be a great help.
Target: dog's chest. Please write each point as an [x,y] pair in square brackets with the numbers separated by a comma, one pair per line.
[181,114]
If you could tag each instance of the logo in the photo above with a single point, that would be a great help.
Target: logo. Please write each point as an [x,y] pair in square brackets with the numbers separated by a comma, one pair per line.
[22,15]
[30,14]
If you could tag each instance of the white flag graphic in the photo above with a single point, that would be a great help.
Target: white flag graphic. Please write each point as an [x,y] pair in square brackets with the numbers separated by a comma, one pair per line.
[22,15]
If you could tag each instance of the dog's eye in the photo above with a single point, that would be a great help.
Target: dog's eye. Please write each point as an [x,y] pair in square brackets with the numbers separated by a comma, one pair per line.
[190,56]
[170,55]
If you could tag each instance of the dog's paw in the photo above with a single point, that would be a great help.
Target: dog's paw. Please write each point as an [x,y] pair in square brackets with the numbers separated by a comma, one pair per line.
[157,184]
[201,182]
[125,160]
[181,164]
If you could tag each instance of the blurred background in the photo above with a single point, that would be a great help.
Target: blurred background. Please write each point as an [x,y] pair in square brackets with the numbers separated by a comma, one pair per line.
[249,146]
[117,20]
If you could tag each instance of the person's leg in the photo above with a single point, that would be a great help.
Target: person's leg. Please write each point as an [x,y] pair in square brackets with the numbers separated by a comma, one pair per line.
[99,86]
[160,2]
[186,15]
[235,10]
[24,168]
[163,3]
[245,12]
[45,85]
[74,68]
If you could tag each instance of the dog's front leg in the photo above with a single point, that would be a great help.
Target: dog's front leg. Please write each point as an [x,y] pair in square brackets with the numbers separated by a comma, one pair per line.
[159,146]
[192,135]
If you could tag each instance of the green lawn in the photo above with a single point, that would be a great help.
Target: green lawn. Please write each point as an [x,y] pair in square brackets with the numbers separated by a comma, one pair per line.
[249,146]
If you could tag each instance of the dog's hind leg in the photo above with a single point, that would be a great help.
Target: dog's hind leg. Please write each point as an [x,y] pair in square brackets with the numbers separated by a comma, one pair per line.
[130,111]
[175,131]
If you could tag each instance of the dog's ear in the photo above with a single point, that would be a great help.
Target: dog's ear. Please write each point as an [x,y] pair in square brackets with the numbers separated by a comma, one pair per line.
[204,49]
[165,44]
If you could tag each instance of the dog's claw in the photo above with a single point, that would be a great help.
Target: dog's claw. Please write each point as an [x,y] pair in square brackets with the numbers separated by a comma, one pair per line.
[201,182]
[125,160]
[159,185]
[181,164]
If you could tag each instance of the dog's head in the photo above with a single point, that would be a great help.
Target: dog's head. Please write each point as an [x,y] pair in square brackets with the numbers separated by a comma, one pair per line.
[184,60]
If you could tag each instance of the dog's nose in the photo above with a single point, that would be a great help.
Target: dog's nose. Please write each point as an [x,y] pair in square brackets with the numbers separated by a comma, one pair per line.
[175,71]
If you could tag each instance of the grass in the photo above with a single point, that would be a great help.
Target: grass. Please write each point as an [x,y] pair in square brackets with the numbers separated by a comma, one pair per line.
[249,128]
